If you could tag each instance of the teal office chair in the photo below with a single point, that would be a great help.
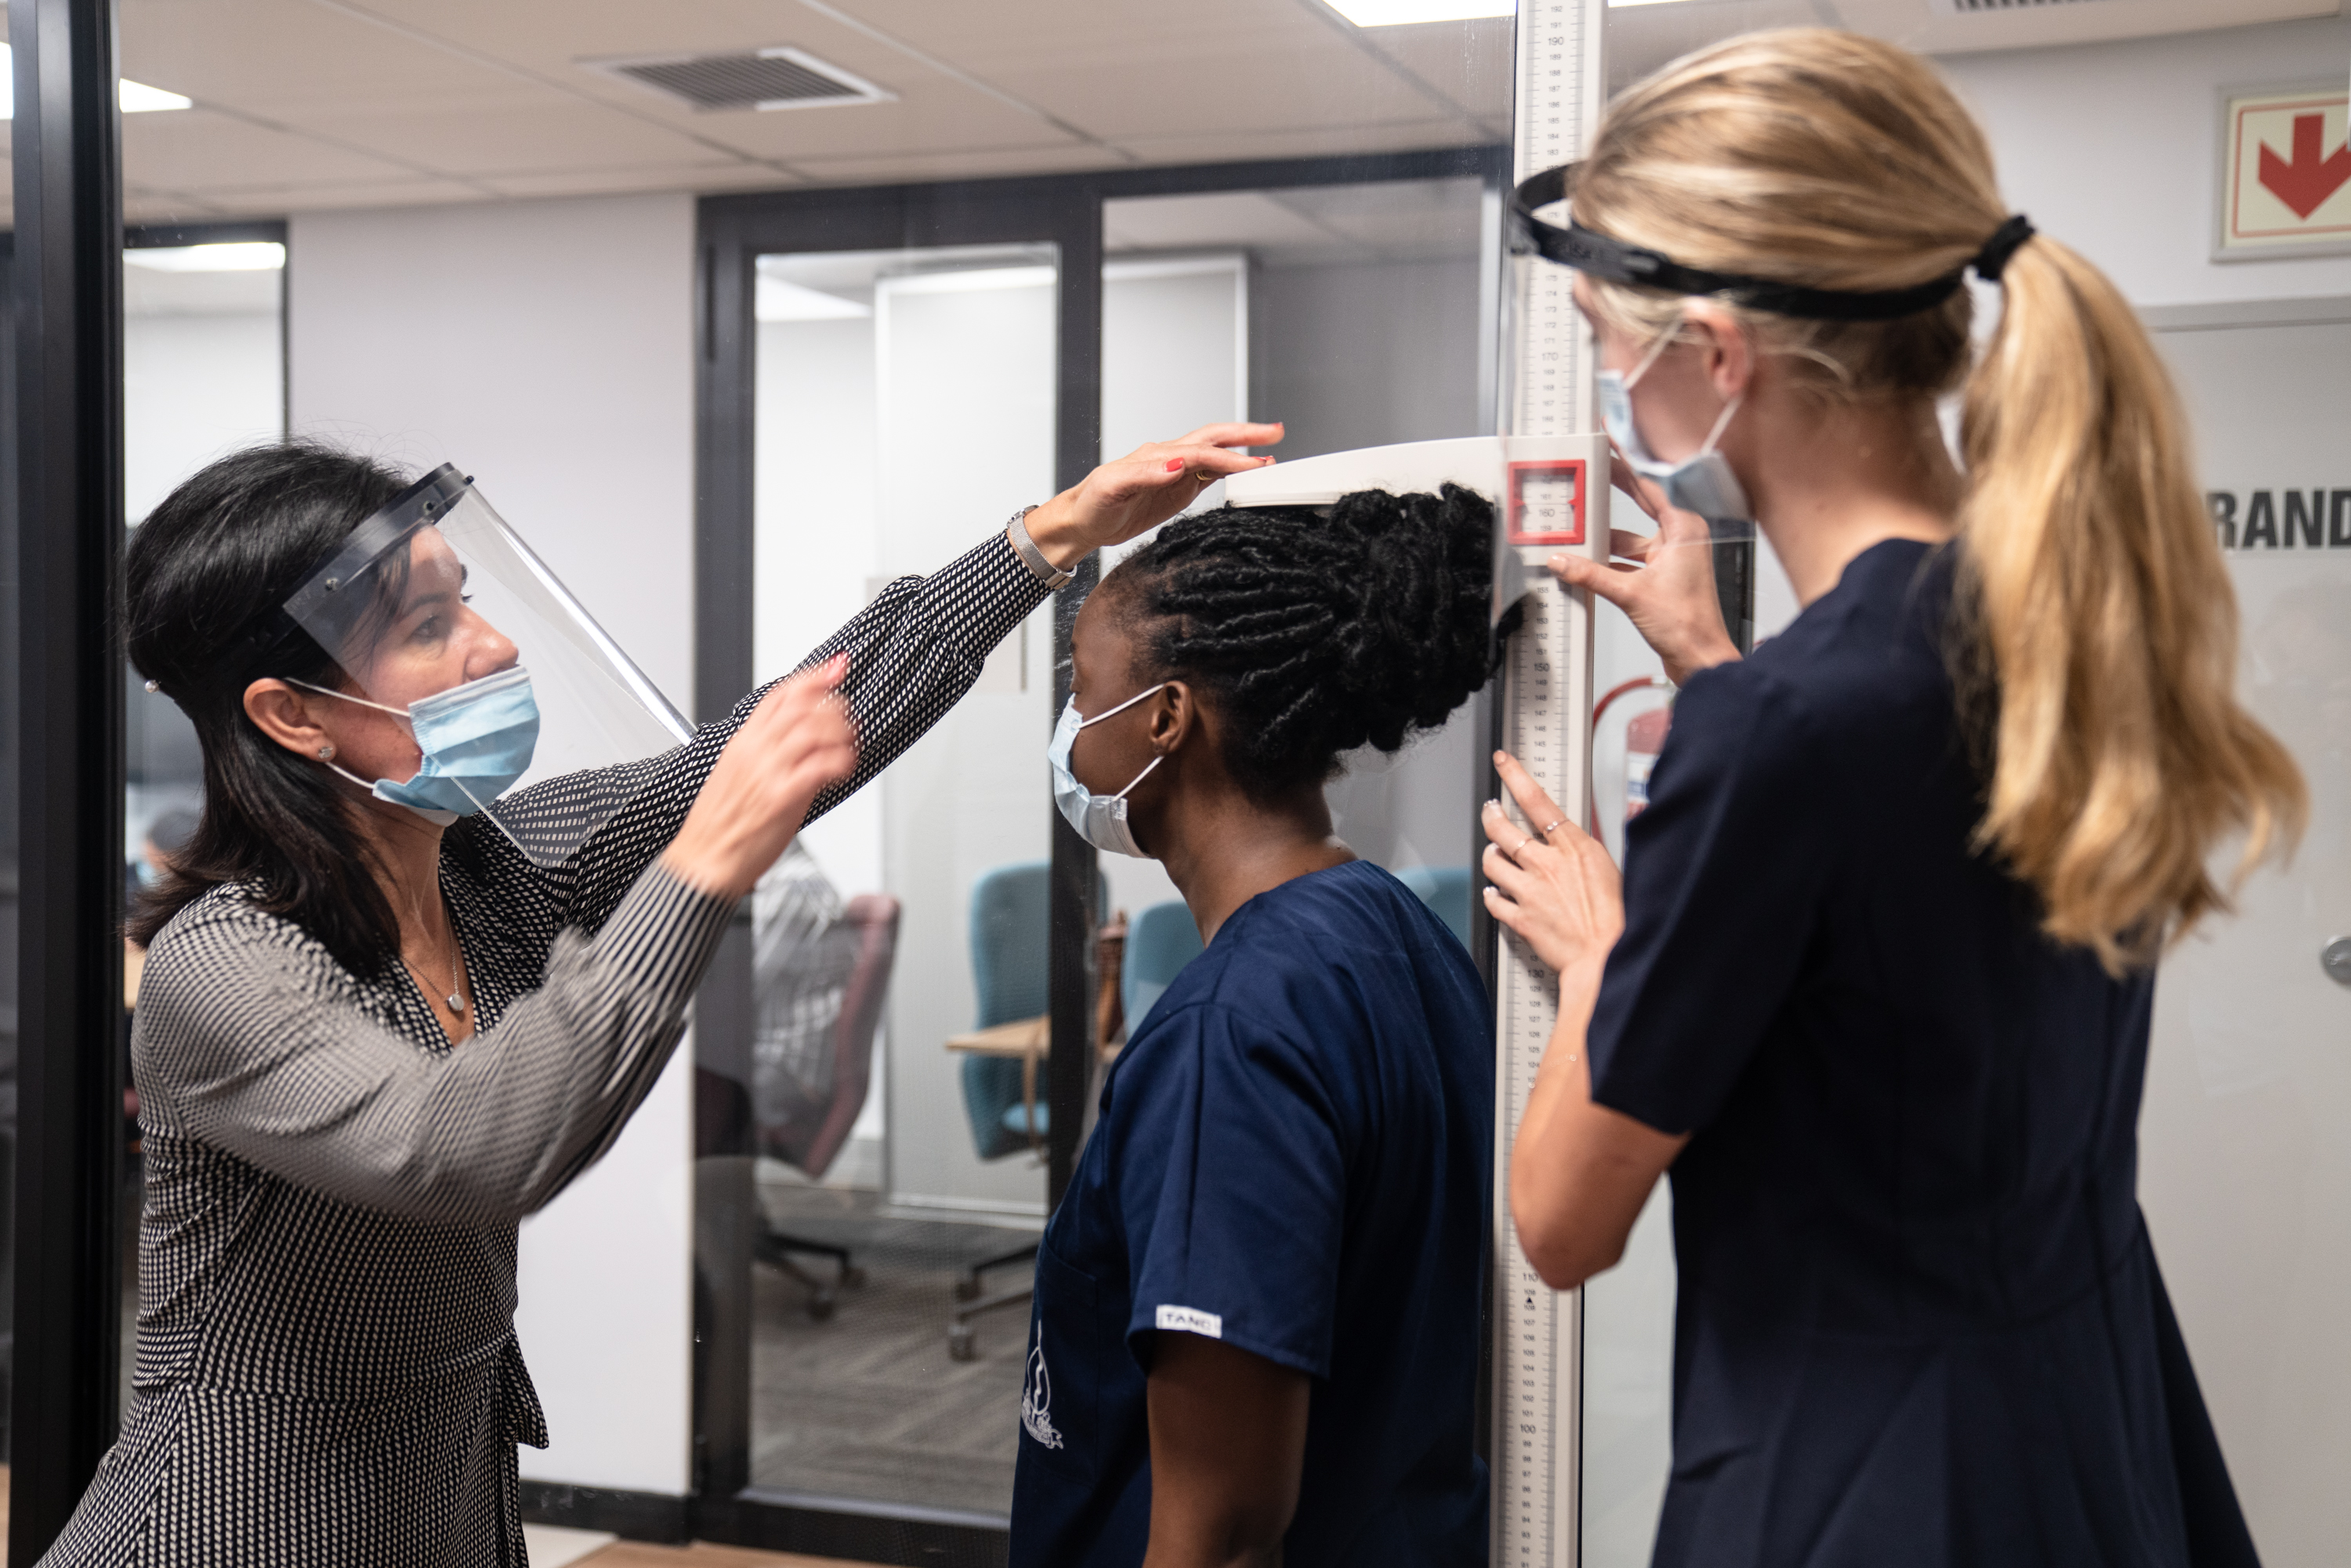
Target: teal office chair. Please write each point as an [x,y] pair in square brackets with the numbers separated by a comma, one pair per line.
[1011,923]
[1159,941]
[1445,890]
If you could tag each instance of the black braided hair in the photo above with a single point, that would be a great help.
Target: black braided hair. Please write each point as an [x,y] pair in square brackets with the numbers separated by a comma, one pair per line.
[1316,635]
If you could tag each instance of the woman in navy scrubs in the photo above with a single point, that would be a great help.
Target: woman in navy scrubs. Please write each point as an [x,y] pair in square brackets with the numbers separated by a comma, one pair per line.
[1256,1322]
[1877,988]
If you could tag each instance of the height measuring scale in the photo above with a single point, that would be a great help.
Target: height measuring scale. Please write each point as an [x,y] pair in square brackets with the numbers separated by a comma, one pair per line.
[1546,722]
[1548,477]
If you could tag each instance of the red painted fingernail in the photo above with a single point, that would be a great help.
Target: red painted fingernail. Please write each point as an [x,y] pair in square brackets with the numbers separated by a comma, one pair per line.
[1174,464]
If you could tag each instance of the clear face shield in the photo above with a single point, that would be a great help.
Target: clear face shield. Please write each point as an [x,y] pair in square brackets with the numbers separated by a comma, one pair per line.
[442,616]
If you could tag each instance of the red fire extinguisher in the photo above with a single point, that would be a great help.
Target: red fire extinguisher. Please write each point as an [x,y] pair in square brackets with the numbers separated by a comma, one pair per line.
[1645,737]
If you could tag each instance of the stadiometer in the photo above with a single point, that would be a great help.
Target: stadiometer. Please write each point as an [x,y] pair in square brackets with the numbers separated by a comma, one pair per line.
[1547,473]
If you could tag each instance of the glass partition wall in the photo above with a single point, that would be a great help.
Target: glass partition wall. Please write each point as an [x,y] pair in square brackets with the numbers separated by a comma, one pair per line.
[905,404]
[204,351]
[9,755]
[888,1045]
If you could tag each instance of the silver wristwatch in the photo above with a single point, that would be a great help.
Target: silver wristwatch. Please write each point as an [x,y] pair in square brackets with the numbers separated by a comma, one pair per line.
[1044,570]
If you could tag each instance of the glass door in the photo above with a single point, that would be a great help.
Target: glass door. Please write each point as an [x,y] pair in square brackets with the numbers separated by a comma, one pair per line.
[1250,304]
[905,408]
[2244,1170]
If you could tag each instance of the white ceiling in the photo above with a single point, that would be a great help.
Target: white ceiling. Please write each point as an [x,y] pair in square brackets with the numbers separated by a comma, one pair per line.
[309,104]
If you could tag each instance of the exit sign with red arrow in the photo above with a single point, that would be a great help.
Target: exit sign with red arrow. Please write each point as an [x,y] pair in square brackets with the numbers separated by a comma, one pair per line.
[2286,173]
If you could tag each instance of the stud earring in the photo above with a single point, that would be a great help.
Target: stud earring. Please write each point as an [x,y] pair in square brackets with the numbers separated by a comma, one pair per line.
[325,752]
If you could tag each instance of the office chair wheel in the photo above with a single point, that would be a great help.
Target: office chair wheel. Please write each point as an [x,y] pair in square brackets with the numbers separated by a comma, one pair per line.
[967,1288]
[852,1276]
[962,1344]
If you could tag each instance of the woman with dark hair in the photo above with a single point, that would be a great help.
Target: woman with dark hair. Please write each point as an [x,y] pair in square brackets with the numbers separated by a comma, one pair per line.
[375,1031]
[1256,1321]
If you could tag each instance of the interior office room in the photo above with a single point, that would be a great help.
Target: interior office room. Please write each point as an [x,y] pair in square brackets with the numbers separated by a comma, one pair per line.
[741,311]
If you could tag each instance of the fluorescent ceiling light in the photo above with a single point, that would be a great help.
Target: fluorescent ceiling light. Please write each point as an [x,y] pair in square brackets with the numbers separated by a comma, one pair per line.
[242,256]
[136,97]
[781,299]
[1400,13]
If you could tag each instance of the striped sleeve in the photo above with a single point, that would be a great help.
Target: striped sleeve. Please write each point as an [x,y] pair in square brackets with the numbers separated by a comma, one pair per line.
[913,653]
[253,1041]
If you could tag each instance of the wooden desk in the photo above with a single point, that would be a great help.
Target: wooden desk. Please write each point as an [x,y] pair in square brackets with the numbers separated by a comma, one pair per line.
[1024,1038]
[1030,1040]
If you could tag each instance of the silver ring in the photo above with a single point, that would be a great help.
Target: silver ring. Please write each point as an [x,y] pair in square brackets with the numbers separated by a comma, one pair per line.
[1555,827]
[1522,846]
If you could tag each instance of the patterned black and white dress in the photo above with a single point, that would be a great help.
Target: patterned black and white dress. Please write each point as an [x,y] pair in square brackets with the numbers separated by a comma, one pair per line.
[327,1367]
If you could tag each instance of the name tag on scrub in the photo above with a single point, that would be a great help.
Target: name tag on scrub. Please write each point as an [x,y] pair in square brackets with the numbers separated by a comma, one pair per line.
[1191,1320]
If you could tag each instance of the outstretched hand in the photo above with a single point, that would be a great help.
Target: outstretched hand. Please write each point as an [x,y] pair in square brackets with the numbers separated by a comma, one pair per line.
[1671,595]
[797,741]
[1142,489]
[1555,887]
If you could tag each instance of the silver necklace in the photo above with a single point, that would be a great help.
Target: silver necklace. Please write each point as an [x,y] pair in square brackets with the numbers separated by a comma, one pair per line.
[455,999]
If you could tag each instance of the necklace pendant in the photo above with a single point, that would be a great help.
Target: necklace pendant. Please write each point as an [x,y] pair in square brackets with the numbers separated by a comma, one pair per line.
[456,1003]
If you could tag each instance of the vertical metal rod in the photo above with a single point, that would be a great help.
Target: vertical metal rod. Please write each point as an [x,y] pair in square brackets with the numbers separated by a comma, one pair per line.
[1545,711]
[1077,447]
[68,328]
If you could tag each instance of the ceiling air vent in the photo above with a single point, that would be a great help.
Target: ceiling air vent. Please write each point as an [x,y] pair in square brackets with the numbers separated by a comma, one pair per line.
[779,77]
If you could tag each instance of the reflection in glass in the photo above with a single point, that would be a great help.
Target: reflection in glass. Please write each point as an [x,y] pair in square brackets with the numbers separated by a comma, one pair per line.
[904,405]
[203,373]
[8,758]
[1284,281]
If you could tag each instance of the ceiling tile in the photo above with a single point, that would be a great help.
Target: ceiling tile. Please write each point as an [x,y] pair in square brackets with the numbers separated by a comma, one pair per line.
[932,115]
[698,177]
[196,149]
[1469,62]
[268,58]
[1218,146]
[906,168]
[551,132]
[1251,219]
[268,201]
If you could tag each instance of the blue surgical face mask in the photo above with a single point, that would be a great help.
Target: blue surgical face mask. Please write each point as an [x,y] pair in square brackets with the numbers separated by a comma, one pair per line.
[1100,819]
[478,739]
[1701,482]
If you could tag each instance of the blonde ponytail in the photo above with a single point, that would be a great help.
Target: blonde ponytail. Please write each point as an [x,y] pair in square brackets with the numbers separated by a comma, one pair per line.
[2098,601]
[2094,617]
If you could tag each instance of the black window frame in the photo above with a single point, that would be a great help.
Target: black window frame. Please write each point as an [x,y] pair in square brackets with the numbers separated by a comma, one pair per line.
[732,232]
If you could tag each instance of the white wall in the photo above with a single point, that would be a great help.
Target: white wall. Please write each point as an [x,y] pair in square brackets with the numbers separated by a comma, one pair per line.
[547,349]
[1366,354]
[2115,149]
[194,389]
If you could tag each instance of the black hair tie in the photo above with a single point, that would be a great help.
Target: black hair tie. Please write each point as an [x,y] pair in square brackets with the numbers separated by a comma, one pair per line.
[1992,259]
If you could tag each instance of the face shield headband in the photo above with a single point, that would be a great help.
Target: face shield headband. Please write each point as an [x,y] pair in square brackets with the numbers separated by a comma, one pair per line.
[434,607]
[1586,250]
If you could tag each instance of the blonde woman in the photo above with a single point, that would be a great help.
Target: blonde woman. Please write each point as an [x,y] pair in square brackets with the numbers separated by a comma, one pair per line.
[1878,983]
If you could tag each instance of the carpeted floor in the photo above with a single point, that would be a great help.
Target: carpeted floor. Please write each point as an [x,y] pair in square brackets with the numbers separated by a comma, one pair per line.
[868,1405]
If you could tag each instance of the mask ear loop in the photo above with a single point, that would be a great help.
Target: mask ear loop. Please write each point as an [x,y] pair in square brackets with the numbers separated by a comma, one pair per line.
[345,696]
[1113,713]
[1140,777]
[1665,340]
[1722,422]
[1657,351]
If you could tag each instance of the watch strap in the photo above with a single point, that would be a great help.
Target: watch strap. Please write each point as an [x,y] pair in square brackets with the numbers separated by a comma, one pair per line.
[1043,571]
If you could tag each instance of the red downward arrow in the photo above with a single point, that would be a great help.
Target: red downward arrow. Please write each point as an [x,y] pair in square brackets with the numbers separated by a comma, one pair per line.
[2310,179]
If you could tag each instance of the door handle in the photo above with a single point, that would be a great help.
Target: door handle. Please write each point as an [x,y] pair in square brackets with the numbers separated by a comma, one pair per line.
[2336,959]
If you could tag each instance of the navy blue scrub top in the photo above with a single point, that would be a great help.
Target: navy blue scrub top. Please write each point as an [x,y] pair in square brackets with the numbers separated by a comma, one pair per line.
[1294,1155]
[1920,1319]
